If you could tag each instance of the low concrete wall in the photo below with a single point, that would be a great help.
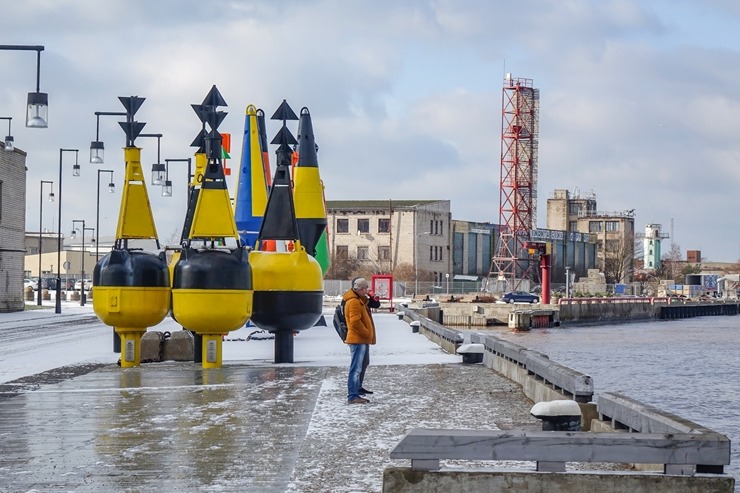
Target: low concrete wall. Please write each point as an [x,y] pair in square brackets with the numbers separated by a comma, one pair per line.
[607,312]
[544,380]
[405,480]
[448,339]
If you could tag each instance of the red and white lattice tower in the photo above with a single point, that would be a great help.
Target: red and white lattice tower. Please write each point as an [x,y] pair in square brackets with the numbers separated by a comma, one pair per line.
[518,185]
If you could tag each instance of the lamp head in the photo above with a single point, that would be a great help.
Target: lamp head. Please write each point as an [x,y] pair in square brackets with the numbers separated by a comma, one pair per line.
[37,110]
[158,174]
[97,152]
[167,189]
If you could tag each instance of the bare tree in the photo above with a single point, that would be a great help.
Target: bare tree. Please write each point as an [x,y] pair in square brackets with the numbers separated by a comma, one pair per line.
[671,266]
[344,267]
[173,238]
[618,258]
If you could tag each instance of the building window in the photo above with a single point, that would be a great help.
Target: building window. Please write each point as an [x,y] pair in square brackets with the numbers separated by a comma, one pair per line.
[384,253]
[574,208]
[594,227]
[342,252]
[612,226]
[573,226]
[342,225]
[363,226]
[362,253]
[384,225]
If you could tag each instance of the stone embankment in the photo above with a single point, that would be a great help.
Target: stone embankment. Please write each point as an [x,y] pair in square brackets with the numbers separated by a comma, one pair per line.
[572,311]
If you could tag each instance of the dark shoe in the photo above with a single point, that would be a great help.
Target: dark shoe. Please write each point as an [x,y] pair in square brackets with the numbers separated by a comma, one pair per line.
[358,400]
[364,391]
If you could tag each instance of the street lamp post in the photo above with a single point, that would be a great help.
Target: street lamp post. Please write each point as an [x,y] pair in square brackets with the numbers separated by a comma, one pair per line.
[82,270]
[97,147]
[158,169]
[111,189]
[8,138]
[38,102]
[167,187]
[58,304]
[416,261]
[41,209]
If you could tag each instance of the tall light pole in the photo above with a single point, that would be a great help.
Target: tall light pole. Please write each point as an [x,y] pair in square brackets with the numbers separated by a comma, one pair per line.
[97,151]
[8,138]
[75,172]
[41,209]
[111,189]
[167,187]
[416,260]
[97,147]
[158,169]
[82,270]
[38,102]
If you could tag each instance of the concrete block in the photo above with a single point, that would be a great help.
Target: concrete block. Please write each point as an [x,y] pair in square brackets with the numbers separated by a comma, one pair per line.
[150,346]
[179,347]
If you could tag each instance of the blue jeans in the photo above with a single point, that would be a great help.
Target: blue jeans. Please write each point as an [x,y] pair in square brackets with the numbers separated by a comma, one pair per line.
[357,353]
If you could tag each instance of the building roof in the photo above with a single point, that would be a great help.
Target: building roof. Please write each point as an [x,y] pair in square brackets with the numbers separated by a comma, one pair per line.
[376,204]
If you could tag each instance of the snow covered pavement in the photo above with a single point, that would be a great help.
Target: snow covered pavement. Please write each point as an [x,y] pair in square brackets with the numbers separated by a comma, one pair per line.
[249,426]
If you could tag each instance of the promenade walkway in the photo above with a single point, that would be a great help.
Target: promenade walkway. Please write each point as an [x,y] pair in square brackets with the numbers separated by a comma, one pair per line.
[249,426]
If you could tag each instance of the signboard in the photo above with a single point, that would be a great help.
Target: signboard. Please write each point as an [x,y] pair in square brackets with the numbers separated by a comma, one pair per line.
[66,265]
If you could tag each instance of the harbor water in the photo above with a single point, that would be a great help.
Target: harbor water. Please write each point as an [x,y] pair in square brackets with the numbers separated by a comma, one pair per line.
[689,367]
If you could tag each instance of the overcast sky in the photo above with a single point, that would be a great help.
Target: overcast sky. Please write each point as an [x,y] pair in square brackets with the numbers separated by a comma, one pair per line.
[639,100]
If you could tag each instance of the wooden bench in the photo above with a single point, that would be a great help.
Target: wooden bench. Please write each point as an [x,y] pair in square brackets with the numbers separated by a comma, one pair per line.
[679,453]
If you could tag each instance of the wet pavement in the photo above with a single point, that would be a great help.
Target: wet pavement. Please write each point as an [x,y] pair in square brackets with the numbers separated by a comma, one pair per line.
[249,426]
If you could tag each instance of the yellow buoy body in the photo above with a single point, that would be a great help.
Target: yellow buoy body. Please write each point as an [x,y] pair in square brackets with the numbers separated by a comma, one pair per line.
[288,290]
[211,290]
[131,306]
[131,291]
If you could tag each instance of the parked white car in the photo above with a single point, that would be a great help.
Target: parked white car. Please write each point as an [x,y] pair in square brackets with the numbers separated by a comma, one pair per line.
[88,285]
[31,283]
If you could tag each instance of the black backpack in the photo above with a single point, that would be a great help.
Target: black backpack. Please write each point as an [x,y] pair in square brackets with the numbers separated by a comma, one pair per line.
[340,323]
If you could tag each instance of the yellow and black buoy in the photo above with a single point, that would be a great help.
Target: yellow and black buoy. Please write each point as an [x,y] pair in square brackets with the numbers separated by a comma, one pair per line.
[131,293]
[212,283]
[211,296]
[288,290]
[131,288]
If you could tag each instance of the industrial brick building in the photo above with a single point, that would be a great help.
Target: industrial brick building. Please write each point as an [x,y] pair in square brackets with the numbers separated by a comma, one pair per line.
[12,228]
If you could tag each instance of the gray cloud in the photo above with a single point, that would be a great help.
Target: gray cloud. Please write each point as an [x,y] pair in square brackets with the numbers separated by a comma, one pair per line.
[637,100]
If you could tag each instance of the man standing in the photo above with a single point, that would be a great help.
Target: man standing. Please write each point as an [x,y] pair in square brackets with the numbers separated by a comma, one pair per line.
[360,334]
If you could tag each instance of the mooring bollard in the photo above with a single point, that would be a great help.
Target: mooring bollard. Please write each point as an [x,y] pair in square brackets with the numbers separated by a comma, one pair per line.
[562,415]
[471,353]
[415,326]
[400,315]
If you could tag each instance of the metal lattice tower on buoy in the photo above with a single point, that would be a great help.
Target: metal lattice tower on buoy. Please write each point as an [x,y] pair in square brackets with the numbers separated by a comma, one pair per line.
[518,184]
